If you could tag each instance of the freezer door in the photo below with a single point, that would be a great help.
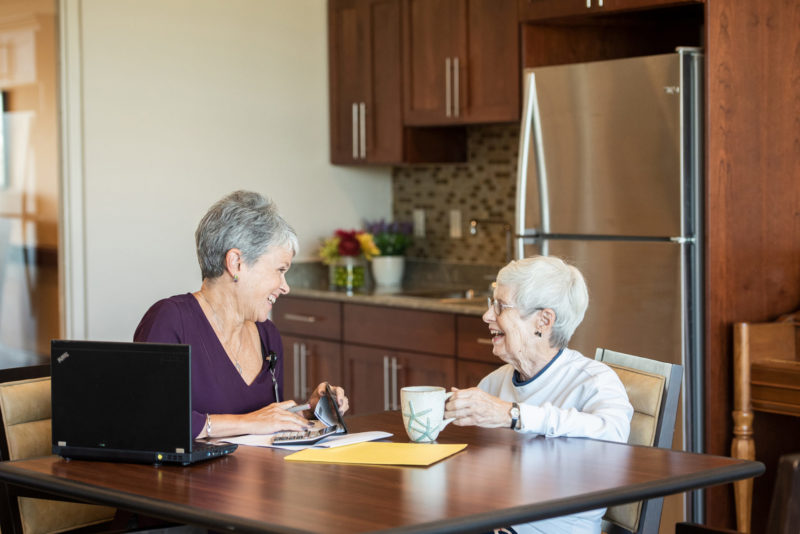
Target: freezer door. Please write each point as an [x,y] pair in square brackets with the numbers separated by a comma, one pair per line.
[635,296]
[600,148]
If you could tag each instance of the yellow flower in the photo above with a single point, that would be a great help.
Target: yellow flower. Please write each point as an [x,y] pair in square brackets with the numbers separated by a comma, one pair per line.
[367,245]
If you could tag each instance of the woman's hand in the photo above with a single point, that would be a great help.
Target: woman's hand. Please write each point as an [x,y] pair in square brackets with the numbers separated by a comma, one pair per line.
[341,398]
[274,418]
[475,407]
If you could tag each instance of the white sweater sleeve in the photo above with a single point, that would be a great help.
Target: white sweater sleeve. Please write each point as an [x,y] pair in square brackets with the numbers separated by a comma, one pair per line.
[605,414]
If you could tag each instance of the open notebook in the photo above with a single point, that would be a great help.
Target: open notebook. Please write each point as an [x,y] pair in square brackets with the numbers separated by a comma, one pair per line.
[329,422]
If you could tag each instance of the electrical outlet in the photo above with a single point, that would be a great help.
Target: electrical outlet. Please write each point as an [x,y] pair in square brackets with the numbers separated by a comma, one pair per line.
[419,222]
[455,224]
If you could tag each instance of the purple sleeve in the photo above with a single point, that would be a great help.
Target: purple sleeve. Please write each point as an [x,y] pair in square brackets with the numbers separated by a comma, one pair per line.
[161,324]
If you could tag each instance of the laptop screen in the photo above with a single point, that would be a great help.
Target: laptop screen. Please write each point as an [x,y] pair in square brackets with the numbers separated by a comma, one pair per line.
[124,396]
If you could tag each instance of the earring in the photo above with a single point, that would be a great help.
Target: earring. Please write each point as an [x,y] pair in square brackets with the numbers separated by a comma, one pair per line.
[537,334]
[235,278]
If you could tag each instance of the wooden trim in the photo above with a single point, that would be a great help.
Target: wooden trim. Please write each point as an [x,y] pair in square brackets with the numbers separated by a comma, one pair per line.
[72,230]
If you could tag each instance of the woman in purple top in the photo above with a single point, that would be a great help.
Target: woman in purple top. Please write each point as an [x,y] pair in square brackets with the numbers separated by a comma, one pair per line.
[244,248]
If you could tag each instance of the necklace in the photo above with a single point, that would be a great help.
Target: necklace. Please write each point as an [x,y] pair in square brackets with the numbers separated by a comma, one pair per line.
[224,342]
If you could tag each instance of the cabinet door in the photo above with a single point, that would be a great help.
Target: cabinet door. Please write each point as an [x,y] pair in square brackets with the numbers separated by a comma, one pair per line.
[373,377]
[349,76]
[423,370]
[489,78]
[365,81]
[471,373]
[434,35]
[367,378]
[307,362]
[461,61]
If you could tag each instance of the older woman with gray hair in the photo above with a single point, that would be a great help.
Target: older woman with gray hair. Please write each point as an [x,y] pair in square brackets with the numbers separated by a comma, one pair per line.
[245,249]
[544,388]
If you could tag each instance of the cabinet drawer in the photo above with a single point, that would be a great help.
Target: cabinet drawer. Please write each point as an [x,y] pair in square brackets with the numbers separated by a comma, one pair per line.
[474,342]
[413,330]
[308,317]
[469,374]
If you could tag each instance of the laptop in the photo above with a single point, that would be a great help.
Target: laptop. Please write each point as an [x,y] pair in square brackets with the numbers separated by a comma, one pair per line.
[126,402]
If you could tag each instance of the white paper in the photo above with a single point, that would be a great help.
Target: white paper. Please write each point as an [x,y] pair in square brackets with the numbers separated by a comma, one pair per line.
[335,440]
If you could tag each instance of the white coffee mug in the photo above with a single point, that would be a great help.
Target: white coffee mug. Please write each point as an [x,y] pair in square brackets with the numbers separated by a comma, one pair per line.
[423,412]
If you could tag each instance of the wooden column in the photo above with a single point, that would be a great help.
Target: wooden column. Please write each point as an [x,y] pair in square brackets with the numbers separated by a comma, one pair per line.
[752,192]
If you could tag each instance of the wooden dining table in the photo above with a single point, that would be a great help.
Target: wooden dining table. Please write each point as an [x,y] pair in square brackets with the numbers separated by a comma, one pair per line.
[501,478]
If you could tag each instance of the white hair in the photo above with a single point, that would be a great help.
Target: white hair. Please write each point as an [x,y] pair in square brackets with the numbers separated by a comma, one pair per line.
[542,282]
[244,220]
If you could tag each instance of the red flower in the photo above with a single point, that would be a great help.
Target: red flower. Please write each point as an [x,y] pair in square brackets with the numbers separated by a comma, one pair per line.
[348,244]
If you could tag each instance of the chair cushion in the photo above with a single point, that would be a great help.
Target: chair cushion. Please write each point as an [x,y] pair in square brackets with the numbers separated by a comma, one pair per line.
[25,407]
[40,516]
[25,400]
[645,391]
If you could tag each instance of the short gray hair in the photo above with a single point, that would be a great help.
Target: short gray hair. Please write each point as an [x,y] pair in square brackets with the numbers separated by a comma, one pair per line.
[542,282]
[244,220]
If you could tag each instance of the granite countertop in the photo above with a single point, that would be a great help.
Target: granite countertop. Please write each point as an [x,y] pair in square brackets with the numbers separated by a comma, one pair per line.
[431,283]
[474,306]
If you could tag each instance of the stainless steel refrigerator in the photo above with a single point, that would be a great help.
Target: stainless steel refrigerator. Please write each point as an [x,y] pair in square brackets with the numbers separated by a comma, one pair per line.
[610,179]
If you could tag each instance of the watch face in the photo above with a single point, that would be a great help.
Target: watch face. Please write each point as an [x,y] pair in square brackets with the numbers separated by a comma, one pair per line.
[515,412]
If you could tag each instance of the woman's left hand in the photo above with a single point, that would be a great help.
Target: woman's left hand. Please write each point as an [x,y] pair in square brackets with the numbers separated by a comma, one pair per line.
[341,398]
[475,407]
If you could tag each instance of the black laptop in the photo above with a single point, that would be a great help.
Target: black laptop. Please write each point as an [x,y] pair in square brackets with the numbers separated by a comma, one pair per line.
[127,402]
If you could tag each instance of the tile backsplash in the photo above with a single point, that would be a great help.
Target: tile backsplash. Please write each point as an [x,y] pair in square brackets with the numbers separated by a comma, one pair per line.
[482,188]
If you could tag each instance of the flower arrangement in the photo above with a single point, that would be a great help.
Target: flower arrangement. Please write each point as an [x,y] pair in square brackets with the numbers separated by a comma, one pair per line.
[391,239]
[343,254]
[345,243]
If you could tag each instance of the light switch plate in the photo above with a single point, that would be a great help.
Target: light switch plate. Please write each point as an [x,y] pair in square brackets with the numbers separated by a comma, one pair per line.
[455,224]
[419,222]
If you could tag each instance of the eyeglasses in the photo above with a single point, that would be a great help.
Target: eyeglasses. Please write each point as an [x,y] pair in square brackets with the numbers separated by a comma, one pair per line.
[497,306]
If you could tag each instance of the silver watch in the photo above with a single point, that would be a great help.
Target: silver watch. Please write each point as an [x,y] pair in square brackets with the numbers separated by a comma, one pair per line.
[514,413]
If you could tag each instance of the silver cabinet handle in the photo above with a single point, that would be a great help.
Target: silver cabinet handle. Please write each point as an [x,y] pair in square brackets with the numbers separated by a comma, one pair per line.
[484,341]
[588,4]
[303,373]
[385,383]
[447,84]
[362,123]
[355,130]
[296,370]
[455,87]
[394,384]
[300,318]
[599,3]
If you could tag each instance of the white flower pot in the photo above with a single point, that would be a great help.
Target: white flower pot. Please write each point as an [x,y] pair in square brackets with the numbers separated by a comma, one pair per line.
[388,270]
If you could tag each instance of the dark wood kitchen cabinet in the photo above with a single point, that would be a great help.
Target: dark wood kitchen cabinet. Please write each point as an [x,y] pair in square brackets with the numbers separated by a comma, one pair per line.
[366,105]
[311,332]
[461,61]
[373,376]
[531,10]
[308,362]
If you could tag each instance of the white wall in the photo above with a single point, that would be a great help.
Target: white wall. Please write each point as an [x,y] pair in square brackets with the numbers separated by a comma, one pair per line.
[170,104]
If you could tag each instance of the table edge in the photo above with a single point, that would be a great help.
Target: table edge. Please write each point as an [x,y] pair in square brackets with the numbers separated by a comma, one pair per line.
[474,523]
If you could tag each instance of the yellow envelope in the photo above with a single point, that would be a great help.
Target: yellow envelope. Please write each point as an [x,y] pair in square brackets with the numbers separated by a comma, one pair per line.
[379,453]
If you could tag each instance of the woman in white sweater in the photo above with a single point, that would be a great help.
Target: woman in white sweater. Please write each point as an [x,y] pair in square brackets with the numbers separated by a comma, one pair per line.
[544,388]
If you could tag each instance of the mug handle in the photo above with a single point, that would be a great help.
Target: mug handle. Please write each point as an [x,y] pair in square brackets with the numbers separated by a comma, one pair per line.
[446,422]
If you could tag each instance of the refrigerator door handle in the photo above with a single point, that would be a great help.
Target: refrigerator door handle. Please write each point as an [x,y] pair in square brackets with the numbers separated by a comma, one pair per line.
[531,135]
[538,147]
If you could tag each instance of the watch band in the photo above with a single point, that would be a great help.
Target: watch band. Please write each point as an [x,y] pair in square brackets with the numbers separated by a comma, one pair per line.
[514,415]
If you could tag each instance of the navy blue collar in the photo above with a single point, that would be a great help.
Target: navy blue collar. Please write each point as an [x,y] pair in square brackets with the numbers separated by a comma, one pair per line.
[516,380]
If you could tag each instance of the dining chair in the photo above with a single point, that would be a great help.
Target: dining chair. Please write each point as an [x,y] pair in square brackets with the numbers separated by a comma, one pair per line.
[653,388]
[784,512]
[25,429]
